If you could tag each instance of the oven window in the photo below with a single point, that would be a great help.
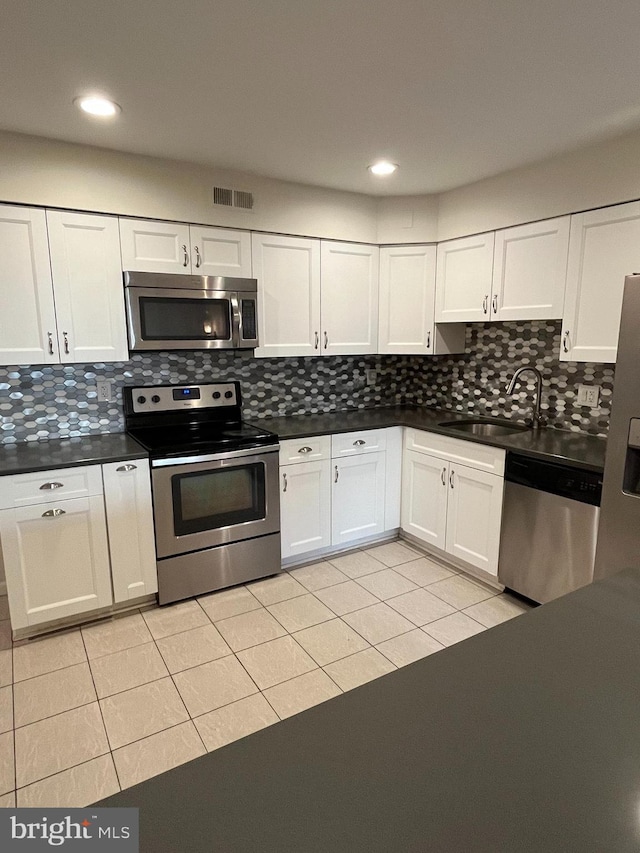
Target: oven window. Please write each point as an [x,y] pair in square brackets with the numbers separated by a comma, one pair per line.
[218,498]
[169,319]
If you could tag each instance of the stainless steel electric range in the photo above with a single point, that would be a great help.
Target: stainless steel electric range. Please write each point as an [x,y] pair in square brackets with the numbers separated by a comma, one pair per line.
[214,479]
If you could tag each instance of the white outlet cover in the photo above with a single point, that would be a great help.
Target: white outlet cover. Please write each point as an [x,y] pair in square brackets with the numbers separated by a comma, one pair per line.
[589,395]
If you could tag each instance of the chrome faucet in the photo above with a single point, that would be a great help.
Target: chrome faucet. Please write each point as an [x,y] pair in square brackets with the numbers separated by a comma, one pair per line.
[537,419]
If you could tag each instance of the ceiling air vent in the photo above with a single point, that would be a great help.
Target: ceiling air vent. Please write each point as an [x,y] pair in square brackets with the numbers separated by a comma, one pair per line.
[243,199]
[223,196]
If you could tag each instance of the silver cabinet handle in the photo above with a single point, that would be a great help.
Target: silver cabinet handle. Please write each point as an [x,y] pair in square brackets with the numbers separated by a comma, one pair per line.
[565,342]
[53,513]
[359,443]
[451,479]
[50,336]
[185,256]
[495,304]
[317,340]
[305,449]
[443,476]
[485,303]
[49,487]
[336,476]
[127,467]
[428,340]
[198,258]
[326,340]
[284,482]
[66,342]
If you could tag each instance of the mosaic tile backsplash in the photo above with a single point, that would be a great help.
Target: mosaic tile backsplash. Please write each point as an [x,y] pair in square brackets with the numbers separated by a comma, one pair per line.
[55,401]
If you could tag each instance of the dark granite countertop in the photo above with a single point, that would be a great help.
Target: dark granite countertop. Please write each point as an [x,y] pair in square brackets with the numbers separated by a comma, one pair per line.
[583,451]
[67,452]
[522,738]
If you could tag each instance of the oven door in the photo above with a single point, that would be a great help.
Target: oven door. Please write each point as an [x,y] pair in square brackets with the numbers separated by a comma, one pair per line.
[202,502]
[166,319]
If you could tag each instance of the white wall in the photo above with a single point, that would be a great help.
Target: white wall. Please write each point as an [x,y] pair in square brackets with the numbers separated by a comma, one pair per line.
[50,173]
[593,176]
[408,219]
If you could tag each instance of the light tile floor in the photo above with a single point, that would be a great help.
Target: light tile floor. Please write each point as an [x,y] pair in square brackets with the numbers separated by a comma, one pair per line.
[89,711]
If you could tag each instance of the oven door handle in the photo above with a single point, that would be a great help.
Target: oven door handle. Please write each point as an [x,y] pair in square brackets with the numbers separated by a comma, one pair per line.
[215,457]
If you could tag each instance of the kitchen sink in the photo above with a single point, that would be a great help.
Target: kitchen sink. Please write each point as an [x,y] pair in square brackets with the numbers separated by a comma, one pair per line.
[486,428]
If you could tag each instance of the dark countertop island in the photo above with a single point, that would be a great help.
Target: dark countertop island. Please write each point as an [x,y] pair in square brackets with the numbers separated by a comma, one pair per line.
[28,456]
[523,738]
[575,448]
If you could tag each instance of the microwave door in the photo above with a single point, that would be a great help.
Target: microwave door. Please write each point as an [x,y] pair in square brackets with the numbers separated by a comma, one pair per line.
[180,319]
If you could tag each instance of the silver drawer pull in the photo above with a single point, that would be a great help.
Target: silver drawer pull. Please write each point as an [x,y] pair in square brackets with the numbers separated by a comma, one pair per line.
[127,467]
[337,475]
[452,479]
[284,482]
[306,449]
[359,443]
[443,476]
[49,487]
[53,513]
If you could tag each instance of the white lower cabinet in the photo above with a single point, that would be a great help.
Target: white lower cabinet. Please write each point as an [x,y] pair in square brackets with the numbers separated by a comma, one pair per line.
[305,507]
[358,498]
[63,546]
[127,498]
[456,508]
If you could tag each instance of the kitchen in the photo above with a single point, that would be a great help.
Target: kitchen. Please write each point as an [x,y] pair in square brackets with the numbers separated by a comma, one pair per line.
[57,398]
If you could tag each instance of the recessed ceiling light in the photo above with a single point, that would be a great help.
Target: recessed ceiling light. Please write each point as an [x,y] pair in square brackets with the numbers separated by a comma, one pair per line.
[383,167]
[97,106]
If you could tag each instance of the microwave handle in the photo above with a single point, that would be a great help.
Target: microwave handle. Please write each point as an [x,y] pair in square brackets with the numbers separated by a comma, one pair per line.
[236,316]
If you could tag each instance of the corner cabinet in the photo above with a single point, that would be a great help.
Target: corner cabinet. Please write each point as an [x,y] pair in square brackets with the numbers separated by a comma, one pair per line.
[452,495]
[407,305]
[604,247]
[176,247]
[57,537]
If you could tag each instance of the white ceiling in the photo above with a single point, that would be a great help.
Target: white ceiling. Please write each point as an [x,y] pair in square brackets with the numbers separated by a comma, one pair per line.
[314,90]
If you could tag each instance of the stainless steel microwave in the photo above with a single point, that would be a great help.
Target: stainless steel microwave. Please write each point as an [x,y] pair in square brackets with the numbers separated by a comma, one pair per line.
[190,312]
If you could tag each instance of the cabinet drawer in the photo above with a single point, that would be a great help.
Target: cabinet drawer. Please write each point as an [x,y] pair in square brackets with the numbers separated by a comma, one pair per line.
[50,486]
[364,441]
[483,457]
[305,449]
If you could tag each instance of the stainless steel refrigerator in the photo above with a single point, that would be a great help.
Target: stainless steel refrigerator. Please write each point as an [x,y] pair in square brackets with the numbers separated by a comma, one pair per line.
[619,531]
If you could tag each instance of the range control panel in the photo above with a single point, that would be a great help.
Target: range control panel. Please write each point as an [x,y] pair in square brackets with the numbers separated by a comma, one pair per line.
[178,398]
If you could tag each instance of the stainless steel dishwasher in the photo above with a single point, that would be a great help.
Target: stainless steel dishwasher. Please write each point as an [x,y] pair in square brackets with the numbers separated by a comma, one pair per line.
[549,527]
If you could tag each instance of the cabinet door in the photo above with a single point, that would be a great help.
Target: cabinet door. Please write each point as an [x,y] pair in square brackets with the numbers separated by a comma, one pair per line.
[604,247]
[27,316]
[87,281]
[407,294]
[474,516]
[530,270]
[463,279]
[149,246]
[288,274]
[424,497]
[127,496]
[358,499]
[56,560]
[305,507]
[220,251]
[349,298]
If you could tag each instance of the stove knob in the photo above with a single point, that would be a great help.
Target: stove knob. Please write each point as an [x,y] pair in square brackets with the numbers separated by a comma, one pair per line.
[216,395]
[142,400]
[155,399]
[228,394]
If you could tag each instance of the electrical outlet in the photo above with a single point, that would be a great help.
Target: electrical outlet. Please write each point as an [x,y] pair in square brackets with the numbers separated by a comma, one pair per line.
[105,390]
[372,376]
[589,395]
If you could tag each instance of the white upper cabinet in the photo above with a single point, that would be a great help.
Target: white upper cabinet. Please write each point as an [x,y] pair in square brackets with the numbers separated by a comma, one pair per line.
[406,323]
[529,271]
[604,247]
[349,298]
[27,315]
[288,274]
[463,279]
[87,280]
[149,246]
[219,251]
